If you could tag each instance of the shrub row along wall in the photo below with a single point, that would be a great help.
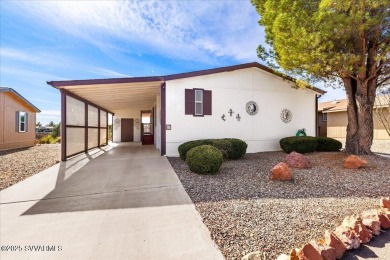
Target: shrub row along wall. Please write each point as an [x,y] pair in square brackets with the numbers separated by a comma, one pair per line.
[308,144]
[85,126]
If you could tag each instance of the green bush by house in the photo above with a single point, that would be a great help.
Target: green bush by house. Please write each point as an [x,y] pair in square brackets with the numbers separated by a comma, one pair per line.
[230,148]
[49,139]
[299,144]
[308,144]
[204,159]
[326,144]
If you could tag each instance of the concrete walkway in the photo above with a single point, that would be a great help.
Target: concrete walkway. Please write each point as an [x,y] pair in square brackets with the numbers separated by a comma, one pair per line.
[114,203]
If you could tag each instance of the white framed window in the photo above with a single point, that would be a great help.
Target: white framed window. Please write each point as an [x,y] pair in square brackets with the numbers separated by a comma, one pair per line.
[22,121]
[198,102]
[324,117]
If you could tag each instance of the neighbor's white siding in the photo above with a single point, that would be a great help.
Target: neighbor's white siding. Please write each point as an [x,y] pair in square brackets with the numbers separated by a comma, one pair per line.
[232,90]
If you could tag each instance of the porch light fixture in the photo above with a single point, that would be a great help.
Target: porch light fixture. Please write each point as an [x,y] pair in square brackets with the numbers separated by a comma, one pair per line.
[223,117]
[238,117]
[231,112]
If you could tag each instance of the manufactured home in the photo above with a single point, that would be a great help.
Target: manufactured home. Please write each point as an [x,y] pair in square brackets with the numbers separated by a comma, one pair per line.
[248,101]
[17,120]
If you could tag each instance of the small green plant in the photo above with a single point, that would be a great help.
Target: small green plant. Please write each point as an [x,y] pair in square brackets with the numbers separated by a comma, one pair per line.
[204,159]
[49,139]
[326,144]
[299,144]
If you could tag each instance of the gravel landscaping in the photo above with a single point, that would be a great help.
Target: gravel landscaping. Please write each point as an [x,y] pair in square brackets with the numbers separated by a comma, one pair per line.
[245,211]
[19,164]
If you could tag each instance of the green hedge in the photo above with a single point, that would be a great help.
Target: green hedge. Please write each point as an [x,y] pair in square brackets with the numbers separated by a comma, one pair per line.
[204,159]
[230,148]
[308,144]
[299,144]
[326,144]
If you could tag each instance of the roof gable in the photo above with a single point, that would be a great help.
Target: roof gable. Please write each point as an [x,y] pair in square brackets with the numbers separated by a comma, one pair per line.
[20,97]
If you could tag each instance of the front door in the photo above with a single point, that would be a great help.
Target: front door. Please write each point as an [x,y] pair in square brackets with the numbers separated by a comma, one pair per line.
[127,125]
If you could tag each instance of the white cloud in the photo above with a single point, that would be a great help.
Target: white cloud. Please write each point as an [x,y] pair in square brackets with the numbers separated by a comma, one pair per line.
[188,30]
[106,72]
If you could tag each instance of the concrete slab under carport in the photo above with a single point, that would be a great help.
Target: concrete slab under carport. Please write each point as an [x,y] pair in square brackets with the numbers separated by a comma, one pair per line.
[120,203]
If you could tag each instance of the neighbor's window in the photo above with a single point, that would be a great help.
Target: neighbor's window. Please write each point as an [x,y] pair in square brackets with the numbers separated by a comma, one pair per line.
[198,102]
[324,117]
[22,121]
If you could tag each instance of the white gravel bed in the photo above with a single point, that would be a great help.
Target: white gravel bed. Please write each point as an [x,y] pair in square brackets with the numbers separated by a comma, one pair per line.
[19,164]
[245,211]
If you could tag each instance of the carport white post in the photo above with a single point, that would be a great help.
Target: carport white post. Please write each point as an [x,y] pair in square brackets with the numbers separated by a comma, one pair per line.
[232,90]
[88,124]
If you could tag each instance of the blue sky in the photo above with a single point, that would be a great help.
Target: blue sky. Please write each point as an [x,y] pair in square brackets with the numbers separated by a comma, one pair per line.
[62,40]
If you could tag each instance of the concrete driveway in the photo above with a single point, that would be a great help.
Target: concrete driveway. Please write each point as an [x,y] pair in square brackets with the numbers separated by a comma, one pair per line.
[113,203]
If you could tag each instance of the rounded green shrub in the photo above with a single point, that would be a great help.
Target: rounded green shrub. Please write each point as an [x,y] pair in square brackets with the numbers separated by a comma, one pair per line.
[299,144]
[185,147]
[204,159]
[238,148]
[326,144]
[225,146]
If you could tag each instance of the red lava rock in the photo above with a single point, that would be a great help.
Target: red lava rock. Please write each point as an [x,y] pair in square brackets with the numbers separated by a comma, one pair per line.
[294,254]
[327,252]
[355,223]
[308,252]
[333,241]
[378,215]
[373,225]
[281,172]
[348,236]
[297,160]
[354,162]
[385,203]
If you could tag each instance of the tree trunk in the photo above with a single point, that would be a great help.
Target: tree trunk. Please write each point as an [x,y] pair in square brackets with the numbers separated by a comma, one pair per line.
[360,126]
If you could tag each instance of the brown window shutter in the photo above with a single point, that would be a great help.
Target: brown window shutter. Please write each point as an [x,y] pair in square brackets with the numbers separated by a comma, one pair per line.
[17,121]
[207,102]
[189,102]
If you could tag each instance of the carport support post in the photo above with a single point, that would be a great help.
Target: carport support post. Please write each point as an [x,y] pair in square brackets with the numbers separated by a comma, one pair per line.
[163,120]
[63,126]
[86,128]
[107,128]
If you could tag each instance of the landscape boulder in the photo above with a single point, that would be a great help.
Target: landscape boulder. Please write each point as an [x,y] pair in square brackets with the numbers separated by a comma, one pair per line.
[356,223]
[252,256]
[354,162]
[281,172]
[348,236]
[333,241]
[327,252]
[385,203]
[297,160]
[294,254]
[378,215]
[308,252]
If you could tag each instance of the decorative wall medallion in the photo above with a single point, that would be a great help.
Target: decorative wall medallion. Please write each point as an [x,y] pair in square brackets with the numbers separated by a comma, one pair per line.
[117,123]
[286,116]
[252,108]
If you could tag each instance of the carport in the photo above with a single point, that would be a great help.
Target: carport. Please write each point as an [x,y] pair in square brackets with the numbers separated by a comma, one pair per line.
[86,105]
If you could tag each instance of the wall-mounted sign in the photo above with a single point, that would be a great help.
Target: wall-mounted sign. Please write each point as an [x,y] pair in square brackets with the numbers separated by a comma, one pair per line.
[252,108]
[286,116]
[169,127]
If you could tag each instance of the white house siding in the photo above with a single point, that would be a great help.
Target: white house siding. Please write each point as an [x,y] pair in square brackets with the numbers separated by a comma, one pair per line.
[232,90]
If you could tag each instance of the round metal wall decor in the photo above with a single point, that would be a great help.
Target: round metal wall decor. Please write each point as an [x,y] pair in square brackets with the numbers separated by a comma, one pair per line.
[286,116]
[117,123]
[252,108]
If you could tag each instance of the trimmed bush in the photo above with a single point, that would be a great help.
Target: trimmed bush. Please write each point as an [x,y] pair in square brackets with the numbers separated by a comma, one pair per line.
[326,144]
[204,159]
[47,139]
[231,148]
[299,144]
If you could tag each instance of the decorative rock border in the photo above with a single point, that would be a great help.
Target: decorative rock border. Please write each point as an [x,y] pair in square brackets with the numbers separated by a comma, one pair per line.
[354,231]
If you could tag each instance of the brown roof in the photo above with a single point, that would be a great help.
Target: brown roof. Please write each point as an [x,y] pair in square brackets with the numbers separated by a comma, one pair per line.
[342,104]
[12,91]
[59,84]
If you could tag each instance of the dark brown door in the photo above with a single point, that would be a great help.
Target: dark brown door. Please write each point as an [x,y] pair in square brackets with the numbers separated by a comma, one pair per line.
[127,130]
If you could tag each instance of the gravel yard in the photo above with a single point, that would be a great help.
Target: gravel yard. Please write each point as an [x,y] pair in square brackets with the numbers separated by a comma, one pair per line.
[245,211]
[19,164]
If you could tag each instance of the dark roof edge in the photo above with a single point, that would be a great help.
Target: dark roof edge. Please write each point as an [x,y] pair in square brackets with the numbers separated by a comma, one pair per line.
[59,84]
[4,89]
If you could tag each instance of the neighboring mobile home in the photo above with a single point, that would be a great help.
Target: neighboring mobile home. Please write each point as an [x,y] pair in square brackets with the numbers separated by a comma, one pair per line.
[249,101]
[333,119]
[17,120]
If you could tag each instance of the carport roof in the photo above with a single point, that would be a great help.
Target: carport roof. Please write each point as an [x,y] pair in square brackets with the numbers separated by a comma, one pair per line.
[141,91]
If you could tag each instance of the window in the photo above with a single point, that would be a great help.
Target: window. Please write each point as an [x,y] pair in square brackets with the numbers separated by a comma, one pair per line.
[324,117]
[22,121]
[198,102]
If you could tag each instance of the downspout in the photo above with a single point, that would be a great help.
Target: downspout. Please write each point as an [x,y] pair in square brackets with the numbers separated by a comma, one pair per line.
[316,113]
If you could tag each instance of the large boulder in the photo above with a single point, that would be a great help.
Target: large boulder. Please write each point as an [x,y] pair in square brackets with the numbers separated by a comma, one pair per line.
[348,236]
[333,241]
[297,160]
[327,252]
[354,162]
[308,252]
[281,172]
[356,223]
